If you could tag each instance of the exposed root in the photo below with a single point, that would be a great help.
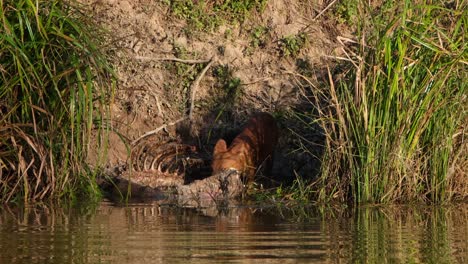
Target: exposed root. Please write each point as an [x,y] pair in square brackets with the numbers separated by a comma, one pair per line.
[152,132]
[194,87]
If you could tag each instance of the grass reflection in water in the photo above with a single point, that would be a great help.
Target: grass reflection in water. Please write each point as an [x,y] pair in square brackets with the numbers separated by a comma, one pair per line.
[150,233]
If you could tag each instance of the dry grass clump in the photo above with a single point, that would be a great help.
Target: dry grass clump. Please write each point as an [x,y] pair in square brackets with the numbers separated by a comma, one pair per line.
[396,123]
[55,87]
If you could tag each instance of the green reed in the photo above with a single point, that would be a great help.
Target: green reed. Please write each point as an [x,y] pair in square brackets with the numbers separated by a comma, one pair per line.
[396,126]
[55,88]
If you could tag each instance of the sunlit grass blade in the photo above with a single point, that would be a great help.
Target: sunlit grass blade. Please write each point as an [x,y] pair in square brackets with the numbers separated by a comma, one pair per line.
[55,84]
[398,123]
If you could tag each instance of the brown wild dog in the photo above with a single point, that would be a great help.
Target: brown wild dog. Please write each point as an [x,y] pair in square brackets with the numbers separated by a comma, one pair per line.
[251,149]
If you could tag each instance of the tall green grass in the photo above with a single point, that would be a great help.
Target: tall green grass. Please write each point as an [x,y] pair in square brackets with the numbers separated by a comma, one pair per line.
[396,123]
[55,87]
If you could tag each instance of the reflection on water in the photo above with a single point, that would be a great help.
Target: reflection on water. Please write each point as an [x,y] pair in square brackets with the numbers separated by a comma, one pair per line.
[150,233]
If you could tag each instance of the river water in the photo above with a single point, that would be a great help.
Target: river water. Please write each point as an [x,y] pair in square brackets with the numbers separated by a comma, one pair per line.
[153,233]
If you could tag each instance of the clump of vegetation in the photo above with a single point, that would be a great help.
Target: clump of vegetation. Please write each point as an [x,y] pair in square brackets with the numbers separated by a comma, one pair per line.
[292,45]
[226,81]
[55,87]
[239,10]
[209,15]
[347,11]
[396,123]
[198,15]
[229,87]
[259,36]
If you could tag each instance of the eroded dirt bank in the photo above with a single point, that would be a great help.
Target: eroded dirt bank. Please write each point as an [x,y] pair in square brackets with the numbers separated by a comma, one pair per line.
[254,65]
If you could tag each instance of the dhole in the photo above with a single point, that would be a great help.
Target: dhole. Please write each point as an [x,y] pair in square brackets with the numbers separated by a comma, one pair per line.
[250,149]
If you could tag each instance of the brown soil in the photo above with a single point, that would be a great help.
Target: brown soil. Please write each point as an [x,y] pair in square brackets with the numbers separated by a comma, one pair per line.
[150,93]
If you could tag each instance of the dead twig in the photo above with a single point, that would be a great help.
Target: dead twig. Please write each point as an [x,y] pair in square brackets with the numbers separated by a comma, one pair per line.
[152,132]
[194,87]
[146,58]
[324,10]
